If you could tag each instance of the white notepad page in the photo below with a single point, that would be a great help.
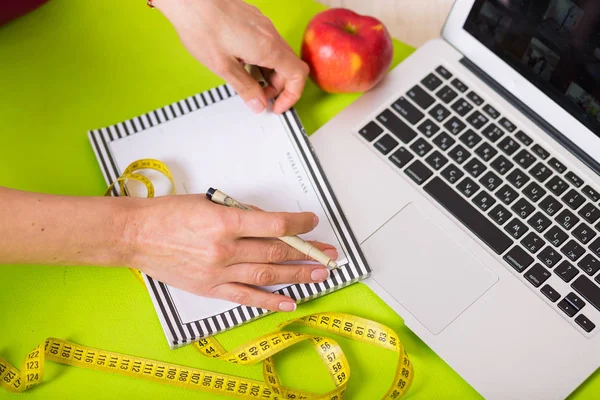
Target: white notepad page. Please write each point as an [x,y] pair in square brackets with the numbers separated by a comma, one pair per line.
[250,157]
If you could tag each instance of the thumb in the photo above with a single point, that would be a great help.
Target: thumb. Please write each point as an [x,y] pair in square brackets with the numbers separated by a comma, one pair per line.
[246,86]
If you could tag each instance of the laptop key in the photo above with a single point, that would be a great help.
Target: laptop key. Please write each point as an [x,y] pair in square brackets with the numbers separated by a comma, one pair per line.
[501,164]
[575,301]
[407,110]
[457,83]
[500,214]
[421,97]
[523,208]
[516,228]
[532,242]
[468,215]
[396,126]
[401,157]
[455,126]
[490,180]
[549,257]
[573,199]
[470,138]
[443,72]
[484,200]
[567,307]
[439,113]
[589,264]
[462,107]
[518,258]
[534,192]
[474,97]
[491,111]
[550,205]
[459,154]
[591,193]
[386,144]
[557,185]
[539,222]
[537,275]
[550,293]
[567,219]
[540,172]
[421,147]
[557,165]
[506,194]
[517,178]
[452,173]
[475,167]
[588,290]
[556,236]
[583,233]
[540,151]
[492,133]
[418,172]
[371,131]
[436,160]
[572,250]
[524,159]
[467,187]
[446,94]
[566,271]
[477,120]
[508,146]
[584,323]
[506,124]
[574,179]
[428,128]
[431,82]
[523,138]
[595,247]
[443,141]
[486,151]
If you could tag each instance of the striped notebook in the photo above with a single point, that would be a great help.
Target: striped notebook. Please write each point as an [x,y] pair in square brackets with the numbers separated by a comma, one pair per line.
[212,140]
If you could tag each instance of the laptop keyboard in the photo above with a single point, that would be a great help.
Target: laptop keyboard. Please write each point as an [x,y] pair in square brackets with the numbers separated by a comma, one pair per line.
[513,194]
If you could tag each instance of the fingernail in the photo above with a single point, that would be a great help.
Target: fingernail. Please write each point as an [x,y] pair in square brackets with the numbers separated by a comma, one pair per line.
[287,306]
[331,253]
[319,274]
[315,221]
[256,105]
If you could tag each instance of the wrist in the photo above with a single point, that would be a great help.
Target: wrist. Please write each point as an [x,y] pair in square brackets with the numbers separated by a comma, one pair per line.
[126,231]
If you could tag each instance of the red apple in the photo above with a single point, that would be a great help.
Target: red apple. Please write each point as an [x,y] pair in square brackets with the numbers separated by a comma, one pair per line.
[346,52]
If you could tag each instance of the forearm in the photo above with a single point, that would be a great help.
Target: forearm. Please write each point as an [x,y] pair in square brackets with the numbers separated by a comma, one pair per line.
[46,229]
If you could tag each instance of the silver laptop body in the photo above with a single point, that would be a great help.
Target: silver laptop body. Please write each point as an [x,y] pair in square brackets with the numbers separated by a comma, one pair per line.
[470,177]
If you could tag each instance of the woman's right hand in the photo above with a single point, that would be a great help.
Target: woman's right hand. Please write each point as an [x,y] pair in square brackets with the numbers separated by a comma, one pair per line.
[210,250]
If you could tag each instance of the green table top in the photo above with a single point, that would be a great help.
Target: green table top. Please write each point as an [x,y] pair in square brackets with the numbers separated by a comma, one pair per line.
[76,65]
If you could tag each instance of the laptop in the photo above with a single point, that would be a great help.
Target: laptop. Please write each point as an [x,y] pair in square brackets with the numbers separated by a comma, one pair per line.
[470,176]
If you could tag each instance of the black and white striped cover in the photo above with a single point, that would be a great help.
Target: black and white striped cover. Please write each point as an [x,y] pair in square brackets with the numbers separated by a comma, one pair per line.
[178,333]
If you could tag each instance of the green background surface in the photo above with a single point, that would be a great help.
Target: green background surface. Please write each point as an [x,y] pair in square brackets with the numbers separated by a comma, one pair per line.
[72,66]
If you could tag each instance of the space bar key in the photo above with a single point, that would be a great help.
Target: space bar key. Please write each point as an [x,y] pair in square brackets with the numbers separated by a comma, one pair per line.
[468,215]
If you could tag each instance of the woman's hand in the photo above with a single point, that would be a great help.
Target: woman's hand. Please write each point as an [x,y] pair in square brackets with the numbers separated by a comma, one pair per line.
[223,34]
[215,251]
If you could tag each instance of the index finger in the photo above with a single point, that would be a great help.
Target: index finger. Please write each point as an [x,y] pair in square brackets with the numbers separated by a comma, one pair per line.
[293,72]
[261,224]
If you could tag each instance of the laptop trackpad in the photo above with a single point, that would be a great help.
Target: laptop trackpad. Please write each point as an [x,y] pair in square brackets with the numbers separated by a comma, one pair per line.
[424,269]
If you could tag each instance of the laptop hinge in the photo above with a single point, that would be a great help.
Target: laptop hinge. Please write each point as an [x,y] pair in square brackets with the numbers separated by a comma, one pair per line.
[539,121]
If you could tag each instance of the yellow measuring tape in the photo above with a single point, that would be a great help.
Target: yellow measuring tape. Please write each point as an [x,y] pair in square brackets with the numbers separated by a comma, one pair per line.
[257,350]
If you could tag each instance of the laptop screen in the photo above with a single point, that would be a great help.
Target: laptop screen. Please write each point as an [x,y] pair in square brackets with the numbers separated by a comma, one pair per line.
[555,44]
